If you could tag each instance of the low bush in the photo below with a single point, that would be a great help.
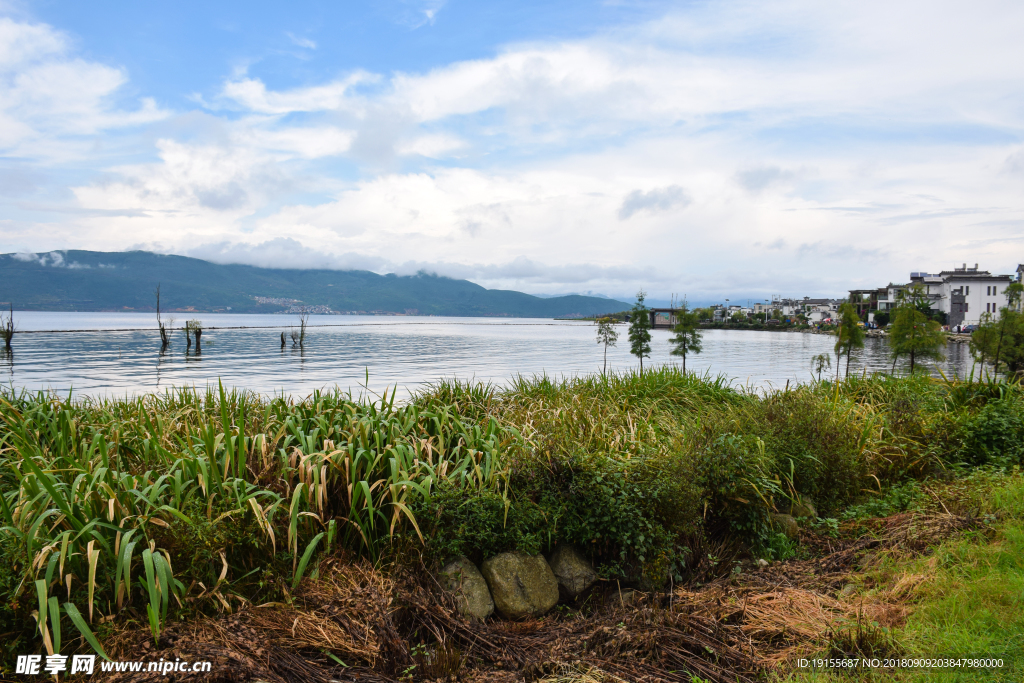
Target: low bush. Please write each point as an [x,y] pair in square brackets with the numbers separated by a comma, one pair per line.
[816,446]
[893,500]
[479,524]
[629,516]
[994,435]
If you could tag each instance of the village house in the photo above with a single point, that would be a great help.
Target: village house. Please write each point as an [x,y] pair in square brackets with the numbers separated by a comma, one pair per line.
[963,294]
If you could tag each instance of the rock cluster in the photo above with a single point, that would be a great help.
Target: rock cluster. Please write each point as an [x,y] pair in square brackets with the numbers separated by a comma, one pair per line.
[516,584]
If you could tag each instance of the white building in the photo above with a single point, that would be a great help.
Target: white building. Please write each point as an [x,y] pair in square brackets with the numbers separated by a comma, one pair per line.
[964,294]
[816,310]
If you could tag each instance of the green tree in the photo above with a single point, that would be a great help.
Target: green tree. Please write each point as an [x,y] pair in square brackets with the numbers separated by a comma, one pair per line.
[738,317]
[640,329]
[917,296]
[607,335]
[820,363]
[851,335]
[913,334]
[688,337]
[1000,341]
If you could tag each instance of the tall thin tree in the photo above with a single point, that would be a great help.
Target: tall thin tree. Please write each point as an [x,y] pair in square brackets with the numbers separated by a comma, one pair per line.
[913,334]
[640,329]
[606,335]
[688,337]
[851,334]
[819,363]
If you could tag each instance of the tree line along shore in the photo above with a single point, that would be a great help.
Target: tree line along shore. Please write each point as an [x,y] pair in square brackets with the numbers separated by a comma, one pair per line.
[912,327]
[721,534]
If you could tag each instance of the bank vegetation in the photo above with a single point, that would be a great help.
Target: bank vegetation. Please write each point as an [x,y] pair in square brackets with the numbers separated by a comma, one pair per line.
[303,536]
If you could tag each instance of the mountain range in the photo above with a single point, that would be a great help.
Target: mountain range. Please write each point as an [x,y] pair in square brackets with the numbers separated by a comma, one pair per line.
[75,280]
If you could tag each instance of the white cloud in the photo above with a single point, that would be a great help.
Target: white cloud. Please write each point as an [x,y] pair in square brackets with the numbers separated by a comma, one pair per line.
[253,95]
[821,146]
[657,200]
[306,43]
[434,146]
[48,96]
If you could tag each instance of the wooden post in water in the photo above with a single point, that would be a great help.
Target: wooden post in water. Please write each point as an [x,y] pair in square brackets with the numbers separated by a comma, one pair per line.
[165,337]
[7,328]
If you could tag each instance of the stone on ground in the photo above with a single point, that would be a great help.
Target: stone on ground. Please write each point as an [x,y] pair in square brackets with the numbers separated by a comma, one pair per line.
[787,525]
[522,585]
[803,507]
[572,570]
[470,587]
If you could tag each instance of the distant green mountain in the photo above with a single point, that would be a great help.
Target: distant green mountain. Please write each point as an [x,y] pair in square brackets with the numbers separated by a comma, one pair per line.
[119,281]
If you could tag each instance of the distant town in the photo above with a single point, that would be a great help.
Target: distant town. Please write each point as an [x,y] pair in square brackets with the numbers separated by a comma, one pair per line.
[959,298]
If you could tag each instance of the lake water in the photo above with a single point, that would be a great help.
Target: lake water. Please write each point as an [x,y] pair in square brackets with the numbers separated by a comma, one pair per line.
[115,354]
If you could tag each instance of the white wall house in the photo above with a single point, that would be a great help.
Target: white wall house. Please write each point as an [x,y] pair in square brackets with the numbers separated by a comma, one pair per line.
[965,294]
[816,310]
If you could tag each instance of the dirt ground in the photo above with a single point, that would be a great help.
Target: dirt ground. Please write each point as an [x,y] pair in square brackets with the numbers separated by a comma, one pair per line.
[356,623]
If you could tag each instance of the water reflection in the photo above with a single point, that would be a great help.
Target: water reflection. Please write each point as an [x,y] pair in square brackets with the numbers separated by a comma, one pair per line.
[407,352]
[7,361]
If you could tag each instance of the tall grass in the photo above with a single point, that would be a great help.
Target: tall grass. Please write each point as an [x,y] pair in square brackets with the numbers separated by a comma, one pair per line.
[162,505]
[98,493]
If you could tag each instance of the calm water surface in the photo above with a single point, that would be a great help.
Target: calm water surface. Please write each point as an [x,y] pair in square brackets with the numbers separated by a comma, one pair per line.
[107,357]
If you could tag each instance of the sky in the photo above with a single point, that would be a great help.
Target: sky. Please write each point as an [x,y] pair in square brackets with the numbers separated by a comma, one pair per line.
[697,149]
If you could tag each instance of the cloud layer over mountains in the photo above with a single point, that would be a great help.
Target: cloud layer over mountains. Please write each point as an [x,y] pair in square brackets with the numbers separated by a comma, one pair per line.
[723,147]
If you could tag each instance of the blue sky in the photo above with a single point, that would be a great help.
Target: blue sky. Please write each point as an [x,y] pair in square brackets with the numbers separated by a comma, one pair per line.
[710,149]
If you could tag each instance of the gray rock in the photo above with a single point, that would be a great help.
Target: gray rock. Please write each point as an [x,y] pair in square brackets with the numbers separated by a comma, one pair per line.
[803,507]
[521,585]
[787,525]
[466,581]
[572,570]
[624,597]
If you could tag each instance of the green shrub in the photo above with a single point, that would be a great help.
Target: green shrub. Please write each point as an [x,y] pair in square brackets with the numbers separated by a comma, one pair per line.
[897,498]
[777,546]
[480,524]
[990,435]
[994,435]
[737,488]
[630,516]
[814,442]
